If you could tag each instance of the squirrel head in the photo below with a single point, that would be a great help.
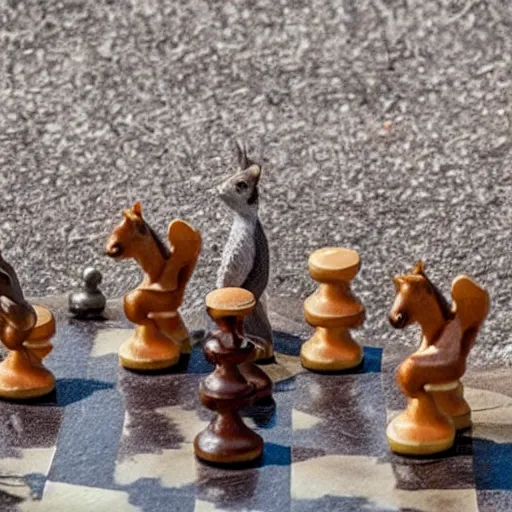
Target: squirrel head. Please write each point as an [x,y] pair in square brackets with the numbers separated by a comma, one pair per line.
[240,192]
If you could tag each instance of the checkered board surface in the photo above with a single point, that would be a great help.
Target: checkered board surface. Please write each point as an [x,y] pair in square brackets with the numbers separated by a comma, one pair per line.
[114,440]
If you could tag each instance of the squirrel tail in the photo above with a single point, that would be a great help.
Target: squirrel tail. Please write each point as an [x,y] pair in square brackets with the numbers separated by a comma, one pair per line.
[471,307]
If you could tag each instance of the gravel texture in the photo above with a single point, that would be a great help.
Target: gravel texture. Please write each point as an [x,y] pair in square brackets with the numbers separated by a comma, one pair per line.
[383,125]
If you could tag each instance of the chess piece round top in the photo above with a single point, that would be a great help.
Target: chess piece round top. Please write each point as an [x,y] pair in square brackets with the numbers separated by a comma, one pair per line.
[334,264]
[89,301]
[230,302]
[333,304]
[92,278]
[45,325]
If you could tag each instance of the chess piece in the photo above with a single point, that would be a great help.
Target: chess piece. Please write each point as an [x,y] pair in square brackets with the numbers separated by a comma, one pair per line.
[89,302]
[248,369]
[160,336]
[26,331]
[227,440]
[333,310]
[430,377]
[245,259]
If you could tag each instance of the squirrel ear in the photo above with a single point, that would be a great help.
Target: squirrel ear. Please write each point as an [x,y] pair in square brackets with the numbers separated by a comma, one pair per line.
[419,268]
[241,154]
[398,281]
[137,209]
[243,160]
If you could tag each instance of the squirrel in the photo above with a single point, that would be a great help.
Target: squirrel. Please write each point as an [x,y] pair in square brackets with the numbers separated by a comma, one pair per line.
[245,259]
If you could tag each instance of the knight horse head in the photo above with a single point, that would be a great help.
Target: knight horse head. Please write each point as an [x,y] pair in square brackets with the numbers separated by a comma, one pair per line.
[417,300]
[134,238]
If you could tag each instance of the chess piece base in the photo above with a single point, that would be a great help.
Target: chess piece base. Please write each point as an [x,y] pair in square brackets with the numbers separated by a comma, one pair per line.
[421,429]
[186,346]
[148,349]
[449,398]
[228,440]
[90,313]
[331,349]
[462,422]
[23,377]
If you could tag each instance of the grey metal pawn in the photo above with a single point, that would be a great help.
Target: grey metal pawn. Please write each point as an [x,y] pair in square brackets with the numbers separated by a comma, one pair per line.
[89,302]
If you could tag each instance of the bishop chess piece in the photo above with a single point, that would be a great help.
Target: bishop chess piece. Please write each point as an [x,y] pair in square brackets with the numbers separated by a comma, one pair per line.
[160,336]
[333,310]
[26,331]
[89,302]
[429,378]
[227,440]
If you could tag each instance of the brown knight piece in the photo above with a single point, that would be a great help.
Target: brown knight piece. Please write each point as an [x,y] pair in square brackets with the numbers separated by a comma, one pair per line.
[26,331]
[430,377]
[160,336]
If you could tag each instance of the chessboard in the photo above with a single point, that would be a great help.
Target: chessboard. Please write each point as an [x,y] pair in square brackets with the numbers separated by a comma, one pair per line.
[110,439]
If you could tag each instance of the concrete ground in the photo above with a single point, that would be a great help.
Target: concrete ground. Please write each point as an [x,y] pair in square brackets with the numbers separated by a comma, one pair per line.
[382,125]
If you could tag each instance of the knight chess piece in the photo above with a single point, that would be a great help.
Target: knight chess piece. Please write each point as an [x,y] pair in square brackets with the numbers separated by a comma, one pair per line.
[245,259]
[227,440]
[430,378]
[26,331]
[89,302]
[160,336]
[333,310]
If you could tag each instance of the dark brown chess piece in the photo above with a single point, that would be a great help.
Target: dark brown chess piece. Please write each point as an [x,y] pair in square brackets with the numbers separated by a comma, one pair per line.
[234,384]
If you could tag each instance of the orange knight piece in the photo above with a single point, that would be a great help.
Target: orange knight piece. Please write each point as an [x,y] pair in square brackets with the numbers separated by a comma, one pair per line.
[161,335]
[430,377]
[26,331]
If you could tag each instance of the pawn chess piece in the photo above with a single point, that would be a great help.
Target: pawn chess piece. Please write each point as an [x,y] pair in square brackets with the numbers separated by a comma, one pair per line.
[227,440]
[160,336]
[251,372]
[245,260]
[430,377]
[26,331]
[89,302]
[333,310]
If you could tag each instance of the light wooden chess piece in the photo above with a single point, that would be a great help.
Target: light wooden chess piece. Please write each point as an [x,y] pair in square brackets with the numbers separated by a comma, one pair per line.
[430,377]
[333,310]
[160,336]
[227,439]
[26,331]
